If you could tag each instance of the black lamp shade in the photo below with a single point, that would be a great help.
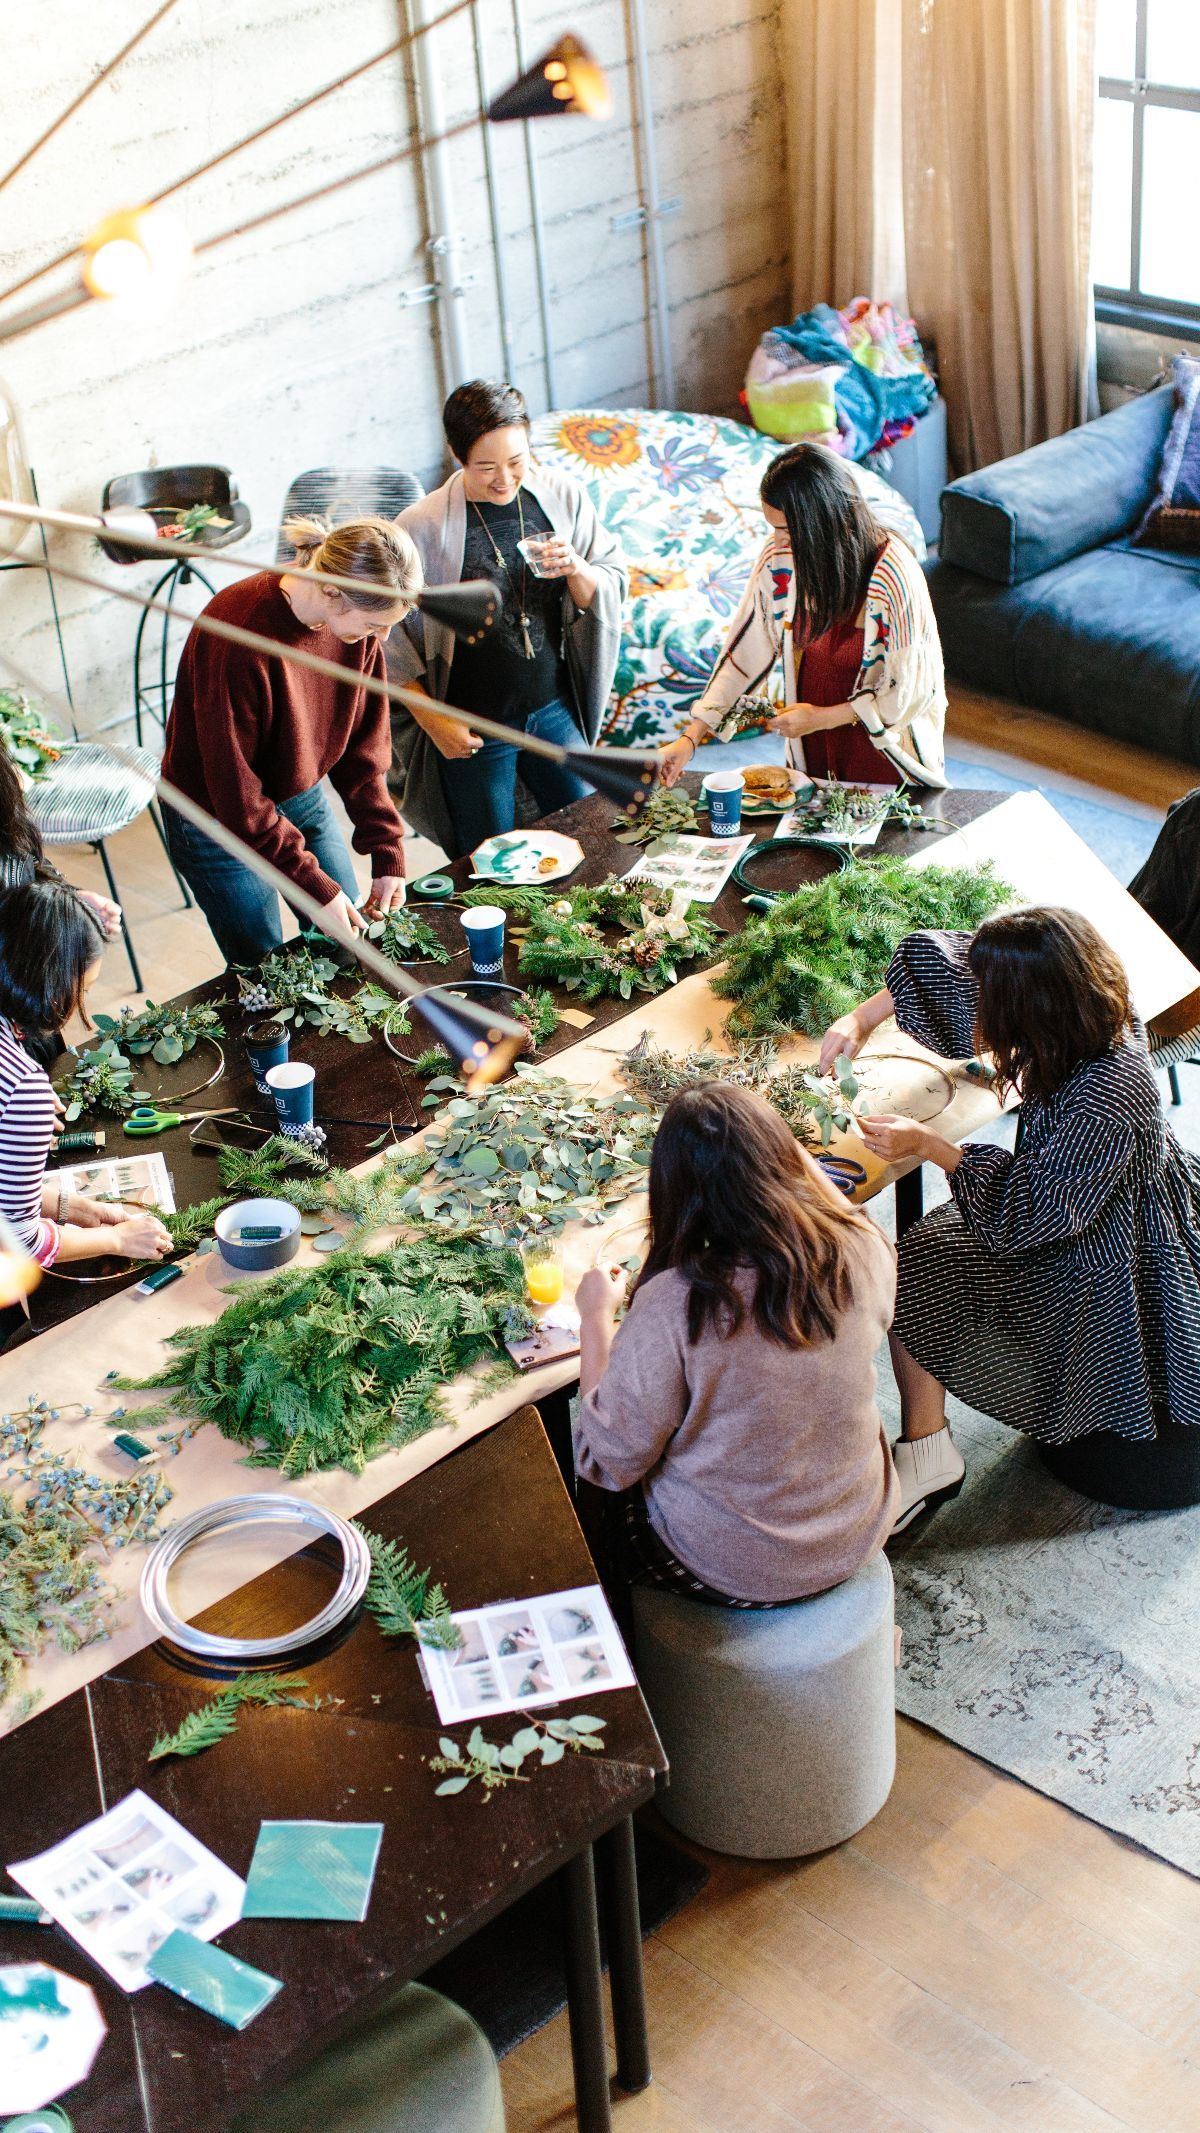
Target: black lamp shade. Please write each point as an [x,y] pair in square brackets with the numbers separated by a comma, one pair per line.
[482,1045]
[566,78]
[469,610]
[622,774]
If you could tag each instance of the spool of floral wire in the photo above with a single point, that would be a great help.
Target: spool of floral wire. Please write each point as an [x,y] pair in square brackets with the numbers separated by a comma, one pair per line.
[218,1520]
[784,864]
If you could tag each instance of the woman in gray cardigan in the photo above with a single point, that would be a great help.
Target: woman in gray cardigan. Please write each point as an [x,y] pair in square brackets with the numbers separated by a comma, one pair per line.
[547,666]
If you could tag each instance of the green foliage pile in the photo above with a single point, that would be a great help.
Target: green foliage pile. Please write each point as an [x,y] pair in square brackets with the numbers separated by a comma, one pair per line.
[528,1157]
[564,939]
[814,1107]
[330,1365]
[102,1080]
[820,951]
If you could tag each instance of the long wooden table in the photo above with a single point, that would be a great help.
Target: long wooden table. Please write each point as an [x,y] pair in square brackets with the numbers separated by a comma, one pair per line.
[482,1506]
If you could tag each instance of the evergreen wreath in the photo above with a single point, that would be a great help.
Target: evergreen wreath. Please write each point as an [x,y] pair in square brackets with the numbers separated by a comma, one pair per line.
[166,1032]
[330,1365]
[816,953]
[563,941]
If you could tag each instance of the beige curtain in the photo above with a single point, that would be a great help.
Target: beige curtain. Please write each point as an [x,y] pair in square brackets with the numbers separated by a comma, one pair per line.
[940,156]
[842,61]
[998,97]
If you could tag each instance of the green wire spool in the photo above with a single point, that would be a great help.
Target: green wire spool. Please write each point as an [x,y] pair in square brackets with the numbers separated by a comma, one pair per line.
[51,2120]
[762,899]
[432,888]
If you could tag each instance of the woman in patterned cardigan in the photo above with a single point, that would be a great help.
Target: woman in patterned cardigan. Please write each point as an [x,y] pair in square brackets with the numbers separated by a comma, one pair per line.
[846,603]
[1059,1288]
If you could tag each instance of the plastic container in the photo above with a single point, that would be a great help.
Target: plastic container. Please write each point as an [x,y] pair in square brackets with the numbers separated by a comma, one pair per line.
[258,1255]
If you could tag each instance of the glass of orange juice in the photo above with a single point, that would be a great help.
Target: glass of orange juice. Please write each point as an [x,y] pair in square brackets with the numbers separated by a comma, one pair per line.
[543,1270]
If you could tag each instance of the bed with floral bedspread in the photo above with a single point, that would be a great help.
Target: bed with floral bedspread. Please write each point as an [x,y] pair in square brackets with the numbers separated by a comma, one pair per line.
[680,494]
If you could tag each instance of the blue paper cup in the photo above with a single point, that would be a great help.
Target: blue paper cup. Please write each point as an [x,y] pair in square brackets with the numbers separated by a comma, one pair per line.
[266,1046]
[484,928]
[723,790]
[292,1087]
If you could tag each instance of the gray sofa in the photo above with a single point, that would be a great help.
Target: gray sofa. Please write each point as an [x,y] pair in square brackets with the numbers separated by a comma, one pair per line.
[1041,597]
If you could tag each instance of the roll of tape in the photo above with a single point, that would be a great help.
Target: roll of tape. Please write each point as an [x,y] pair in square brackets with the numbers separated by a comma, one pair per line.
[435,888]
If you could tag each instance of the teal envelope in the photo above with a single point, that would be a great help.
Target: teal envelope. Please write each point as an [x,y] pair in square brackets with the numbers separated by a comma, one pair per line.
[233,1991]
[312,1870]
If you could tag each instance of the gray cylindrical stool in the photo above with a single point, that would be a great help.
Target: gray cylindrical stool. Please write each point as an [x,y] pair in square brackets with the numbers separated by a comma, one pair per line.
[779,1724]
[419,2066]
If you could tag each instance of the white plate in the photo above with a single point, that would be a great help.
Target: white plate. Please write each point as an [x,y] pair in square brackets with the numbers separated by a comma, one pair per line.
[517,857]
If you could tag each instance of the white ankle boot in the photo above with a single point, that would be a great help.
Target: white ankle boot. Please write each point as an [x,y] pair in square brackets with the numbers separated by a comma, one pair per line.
[928,1469]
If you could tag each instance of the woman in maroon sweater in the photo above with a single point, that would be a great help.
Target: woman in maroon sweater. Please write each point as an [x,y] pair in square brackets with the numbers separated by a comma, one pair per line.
[251,737]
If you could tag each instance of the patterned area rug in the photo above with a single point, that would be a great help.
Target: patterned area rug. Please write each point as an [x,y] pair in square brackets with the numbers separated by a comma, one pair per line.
[1058,1639]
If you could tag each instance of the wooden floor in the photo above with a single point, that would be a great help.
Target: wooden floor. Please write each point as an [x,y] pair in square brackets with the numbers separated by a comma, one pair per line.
[979,1957]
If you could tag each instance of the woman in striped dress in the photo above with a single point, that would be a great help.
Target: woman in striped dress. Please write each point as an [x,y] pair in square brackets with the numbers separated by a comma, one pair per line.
[845,602]
[1059,1289]
[50,947]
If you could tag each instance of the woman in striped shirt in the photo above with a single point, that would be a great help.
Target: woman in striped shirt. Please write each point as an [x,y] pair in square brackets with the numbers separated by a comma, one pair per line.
[846,604]
[50,947]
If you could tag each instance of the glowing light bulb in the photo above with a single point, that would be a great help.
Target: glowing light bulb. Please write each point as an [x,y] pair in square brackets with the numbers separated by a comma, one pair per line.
[140,252]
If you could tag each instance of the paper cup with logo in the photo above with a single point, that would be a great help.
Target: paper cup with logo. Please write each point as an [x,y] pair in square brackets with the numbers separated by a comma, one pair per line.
[266,1046]
[483,925]
[723,791]
[292,1087]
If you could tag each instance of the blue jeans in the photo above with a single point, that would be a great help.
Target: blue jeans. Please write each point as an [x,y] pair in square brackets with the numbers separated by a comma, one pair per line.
[242,913]
[481,789]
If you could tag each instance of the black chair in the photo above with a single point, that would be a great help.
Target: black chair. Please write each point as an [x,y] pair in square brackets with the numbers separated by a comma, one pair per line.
[167,493]
[1168,887]
[339,493]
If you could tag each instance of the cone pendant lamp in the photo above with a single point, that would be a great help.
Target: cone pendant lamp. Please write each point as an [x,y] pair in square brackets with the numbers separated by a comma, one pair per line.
[564,79]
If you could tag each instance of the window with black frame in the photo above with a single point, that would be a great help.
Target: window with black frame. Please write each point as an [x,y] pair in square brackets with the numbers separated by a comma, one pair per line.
[1146,231]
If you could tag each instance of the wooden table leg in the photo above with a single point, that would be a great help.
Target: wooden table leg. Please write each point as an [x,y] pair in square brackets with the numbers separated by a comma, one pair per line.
[617,1862]
[910,1200]
[585,1999]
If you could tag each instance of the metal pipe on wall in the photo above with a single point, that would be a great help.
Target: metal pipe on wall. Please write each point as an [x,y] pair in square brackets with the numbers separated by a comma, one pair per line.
[664,362]
[445,243]
[493,200]
[537,224]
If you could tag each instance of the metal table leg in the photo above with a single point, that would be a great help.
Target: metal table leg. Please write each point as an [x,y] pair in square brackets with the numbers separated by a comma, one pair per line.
[585,2001]
[623,1935]
[555,1411]
[910,1200]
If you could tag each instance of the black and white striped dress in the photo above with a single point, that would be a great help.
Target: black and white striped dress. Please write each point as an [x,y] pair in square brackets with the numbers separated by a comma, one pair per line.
[26,1127]
[1059,1290]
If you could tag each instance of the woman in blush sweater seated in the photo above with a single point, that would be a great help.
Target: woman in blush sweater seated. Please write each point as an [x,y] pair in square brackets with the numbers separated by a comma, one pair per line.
[736,1403]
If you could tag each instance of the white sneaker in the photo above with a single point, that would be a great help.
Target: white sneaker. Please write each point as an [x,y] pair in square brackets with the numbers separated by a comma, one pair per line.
[927,1469]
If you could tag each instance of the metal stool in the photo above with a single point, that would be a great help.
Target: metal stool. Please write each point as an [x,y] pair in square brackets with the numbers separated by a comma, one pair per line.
[341,493]
[85,798]
[167,492]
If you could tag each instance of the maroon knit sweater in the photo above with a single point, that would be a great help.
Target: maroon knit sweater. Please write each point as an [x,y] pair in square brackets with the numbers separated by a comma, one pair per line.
[247,731]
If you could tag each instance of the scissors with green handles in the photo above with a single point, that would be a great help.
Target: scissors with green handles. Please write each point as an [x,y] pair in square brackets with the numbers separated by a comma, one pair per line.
[146,1119]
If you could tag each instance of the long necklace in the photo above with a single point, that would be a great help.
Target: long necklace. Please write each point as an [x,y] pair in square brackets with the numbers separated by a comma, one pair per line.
[522,615]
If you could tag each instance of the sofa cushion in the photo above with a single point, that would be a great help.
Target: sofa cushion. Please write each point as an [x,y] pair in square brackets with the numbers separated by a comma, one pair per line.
[1109,640]
[1173,520]
[1025,515]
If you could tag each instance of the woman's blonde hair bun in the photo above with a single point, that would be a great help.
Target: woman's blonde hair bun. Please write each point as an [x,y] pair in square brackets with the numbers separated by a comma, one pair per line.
[375,550]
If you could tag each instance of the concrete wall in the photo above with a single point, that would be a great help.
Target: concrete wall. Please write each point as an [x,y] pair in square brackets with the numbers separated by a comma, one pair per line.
[290,347]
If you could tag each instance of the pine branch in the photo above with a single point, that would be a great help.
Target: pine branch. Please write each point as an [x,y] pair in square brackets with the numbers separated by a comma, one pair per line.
[215,1720]
[401,1597]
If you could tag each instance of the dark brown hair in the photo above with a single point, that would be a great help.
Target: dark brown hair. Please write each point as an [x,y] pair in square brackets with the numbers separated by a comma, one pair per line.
[730,1188]
[19,835]
[48,942]
[1052,994]
[834,534]
[472,410]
